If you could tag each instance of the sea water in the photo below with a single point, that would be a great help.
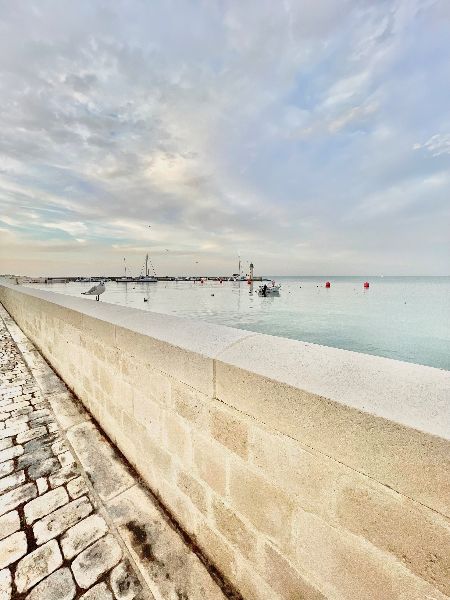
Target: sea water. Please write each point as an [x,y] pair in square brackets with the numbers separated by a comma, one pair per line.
[405,318]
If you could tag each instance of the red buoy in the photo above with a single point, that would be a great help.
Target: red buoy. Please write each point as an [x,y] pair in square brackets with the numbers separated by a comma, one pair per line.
[366,284]
[328,284]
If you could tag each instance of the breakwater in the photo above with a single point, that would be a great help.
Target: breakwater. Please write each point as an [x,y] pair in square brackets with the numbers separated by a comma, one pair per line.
[300,470]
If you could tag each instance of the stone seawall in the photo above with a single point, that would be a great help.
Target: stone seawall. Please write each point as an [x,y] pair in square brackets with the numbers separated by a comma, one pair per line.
[301,471]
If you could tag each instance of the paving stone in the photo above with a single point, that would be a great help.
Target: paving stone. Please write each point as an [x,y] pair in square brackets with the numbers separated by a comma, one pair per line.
[77,487]
[37,565]
[11,481]
[66,459]
[14,406]
[60,520]
[58,586]
[53,427]
[6,443]
[12,548]
[16,497]
[16,419]
[98,592]
[31,434]
[6,468]
[44,441]
[124,582]
[96,560]
[59,447]
[63,475]
[9,523]
[42,485]
[82,535]
[9,431]
[11,452]
[45,504]
[5,584]
[44,468]
[30,458]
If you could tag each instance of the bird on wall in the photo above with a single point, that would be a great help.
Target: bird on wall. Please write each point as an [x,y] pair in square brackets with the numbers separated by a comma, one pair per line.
[96,290]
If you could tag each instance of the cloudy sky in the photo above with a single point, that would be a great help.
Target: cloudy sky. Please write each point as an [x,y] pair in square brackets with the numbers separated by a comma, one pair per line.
[311,136]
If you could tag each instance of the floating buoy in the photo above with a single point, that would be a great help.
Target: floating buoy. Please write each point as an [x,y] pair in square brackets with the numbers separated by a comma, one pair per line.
[328,284]
[366,285]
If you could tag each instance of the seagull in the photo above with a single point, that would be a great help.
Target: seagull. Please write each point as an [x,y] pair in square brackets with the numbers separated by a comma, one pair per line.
[96,290]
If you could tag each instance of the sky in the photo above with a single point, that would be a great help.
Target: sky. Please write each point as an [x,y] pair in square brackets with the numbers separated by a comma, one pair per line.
[308,136]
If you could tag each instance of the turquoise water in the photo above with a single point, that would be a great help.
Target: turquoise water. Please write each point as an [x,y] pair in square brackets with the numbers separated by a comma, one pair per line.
[406,318]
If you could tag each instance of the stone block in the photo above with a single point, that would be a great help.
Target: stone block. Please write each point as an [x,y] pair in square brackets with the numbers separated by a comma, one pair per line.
[415,535]
[61,519]
[147,412]
[216,549]
[11,452]
[58,586]
[37,565]
[286,580]
[193,490]
[190,404]
[228,427]
[210,460]
[83,534]
[98,592]
[348,567]
[124,582]
[95,561]
[45,504]
[6,467]
[14,498]
[263,504]
[77,487]
[178,439]
[63,475]
[12,548]
[234,529]
[5,584]
[31,434]
[11,481]
[9,523]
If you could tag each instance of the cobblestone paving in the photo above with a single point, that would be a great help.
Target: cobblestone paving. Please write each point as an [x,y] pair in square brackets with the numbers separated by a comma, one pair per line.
[54,543]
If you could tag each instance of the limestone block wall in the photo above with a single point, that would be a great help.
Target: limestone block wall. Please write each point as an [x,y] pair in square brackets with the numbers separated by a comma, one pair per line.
[303,472]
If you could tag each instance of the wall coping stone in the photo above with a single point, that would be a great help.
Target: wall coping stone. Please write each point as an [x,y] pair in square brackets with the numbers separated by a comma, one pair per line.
[413,395]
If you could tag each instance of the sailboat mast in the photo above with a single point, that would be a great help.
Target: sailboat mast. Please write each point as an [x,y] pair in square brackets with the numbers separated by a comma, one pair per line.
[146,265]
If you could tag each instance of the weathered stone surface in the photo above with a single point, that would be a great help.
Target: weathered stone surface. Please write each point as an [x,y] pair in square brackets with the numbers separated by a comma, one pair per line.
[63,475]
[12,548]
[82,535]
[6,467]
[96,560]
[35,457]
[109,475]
[16,497]
[9,523]
[9,431]
[45,504]
[10,452]
[66,459]
[11,481]
[31,434]
[77,487]
[37,565]
[44,468]
[42,485]
[98,592]
[5,584]
[124,582]
[6,443]
[60,520]
[58,586]
[45,441]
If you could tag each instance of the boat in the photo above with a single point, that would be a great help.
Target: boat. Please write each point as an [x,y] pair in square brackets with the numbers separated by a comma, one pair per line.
[147,278]
[271,290]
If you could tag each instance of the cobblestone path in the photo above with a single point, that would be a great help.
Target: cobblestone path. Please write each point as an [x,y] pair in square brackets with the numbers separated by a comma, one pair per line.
[54,542]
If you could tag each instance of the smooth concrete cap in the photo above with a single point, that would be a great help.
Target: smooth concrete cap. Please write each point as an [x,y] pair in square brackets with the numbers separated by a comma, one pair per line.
[413,395]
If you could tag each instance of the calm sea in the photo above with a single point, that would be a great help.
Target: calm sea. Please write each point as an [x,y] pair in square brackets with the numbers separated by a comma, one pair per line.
[406,318]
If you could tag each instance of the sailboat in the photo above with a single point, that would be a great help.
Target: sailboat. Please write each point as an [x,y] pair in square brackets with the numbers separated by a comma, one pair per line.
[147,278]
